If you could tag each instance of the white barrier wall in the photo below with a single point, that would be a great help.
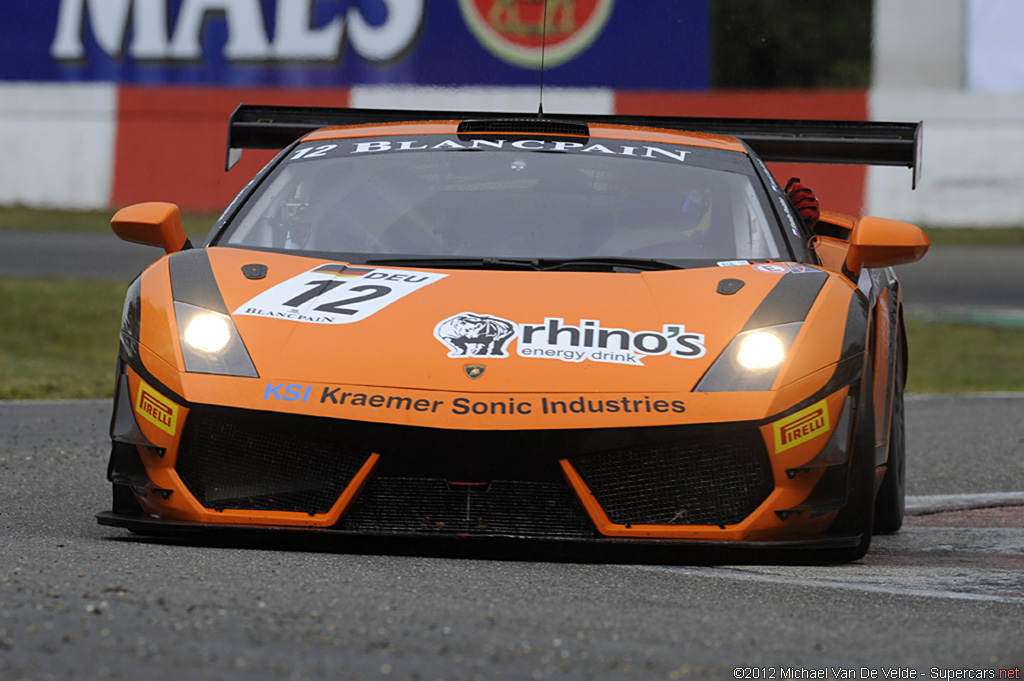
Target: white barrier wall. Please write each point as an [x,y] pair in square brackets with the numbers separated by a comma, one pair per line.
[57,143]
[957,65]
[973,165]
[918,43]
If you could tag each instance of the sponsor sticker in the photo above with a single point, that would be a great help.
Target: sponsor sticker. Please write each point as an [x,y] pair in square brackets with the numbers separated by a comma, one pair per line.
[336,293]
[802,426]
[733,263]
[669,154]
[508,405]
[785,268]
[156,409]
[475,335]
[367,400]
[471,334]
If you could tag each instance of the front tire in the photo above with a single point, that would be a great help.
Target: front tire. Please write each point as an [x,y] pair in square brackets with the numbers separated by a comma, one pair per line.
[857,516]
[890,504]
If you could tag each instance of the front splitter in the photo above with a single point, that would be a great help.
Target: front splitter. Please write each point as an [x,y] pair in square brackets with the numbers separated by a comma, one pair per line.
[492,546]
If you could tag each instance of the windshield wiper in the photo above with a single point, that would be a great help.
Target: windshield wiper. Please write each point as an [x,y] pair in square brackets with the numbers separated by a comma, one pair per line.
[456,263]
[607,263]
[598,263]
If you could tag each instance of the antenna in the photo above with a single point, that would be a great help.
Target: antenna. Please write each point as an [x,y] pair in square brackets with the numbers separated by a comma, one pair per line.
[543,47]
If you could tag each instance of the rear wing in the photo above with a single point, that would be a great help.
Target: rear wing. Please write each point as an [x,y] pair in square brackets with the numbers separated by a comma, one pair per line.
[774,140]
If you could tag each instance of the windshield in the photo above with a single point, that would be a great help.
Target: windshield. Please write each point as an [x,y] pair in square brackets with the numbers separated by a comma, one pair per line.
[446,196]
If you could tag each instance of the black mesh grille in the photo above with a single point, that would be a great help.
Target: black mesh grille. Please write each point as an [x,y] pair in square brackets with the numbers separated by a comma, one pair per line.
[233,458]
[266,462]
[503,507]
[709,476]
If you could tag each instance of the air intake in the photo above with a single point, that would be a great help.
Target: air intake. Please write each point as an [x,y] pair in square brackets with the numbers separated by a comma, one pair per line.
[542,127]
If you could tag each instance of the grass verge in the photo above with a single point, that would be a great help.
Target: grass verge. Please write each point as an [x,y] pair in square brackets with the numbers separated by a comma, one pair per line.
[31,219]
[951,358]
[58,340]
[976,236]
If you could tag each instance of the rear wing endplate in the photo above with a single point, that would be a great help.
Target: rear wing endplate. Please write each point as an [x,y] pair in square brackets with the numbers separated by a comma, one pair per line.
[774,140]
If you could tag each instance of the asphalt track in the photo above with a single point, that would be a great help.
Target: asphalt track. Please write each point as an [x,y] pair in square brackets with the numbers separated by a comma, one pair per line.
[80,601]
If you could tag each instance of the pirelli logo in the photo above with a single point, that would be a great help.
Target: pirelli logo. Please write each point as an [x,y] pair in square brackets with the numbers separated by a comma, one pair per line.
[802,426]
[156,409]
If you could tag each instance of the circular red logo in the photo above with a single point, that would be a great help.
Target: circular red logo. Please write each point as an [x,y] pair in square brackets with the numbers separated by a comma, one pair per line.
[514,30]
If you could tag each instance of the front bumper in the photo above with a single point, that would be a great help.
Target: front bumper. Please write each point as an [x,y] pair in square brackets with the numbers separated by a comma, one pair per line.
[195,465]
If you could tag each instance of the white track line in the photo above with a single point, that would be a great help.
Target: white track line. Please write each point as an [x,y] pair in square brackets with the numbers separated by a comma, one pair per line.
[744,575]
[942,503]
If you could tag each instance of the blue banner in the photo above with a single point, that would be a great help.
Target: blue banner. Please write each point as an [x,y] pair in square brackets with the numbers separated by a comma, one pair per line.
[622,44]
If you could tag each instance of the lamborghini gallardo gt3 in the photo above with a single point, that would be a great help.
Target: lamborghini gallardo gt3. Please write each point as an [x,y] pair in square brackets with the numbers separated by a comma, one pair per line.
[606,330]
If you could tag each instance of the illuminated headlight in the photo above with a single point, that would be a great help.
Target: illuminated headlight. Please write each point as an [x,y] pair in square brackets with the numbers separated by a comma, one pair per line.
[210,343]
[208,332]
[760,350]
[751,361]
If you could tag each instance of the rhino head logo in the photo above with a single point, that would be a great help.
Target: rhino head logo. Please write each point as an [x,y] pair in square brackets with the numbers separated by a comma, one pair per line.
[475,335]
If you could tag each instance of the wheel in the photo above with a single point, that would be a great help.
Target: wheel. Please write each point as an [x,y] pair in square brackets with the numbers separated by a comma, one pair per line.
[857,516]
[889,504]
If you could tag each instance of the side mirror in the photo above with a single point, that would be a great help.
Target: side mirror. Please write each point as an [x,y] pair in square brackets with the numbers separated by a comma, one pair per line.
[878,242]
[152,224]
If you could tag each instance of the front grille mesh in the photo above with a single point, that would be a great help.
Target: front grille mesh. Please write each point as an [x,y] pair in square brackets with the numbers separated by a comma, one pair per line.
[706,477]
[677,475]
[503,507]
[264,464]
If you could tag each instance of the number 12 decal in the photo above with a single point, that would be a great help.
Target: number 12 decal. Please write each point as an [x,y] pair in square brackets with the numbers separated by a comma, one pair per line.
[312,152]
[336,294]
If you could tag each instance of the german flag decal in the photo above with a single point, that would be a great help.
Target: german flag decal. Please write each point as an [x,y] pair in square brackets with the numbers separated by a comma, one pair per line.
[802,426]
[342,270]
[156,409]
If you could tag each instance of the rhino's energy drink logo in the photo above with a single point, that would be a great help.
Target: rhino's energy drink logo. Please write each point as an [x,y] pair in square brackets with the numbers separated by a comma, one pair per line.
[802,426]
[470,334]
[514,30]
[155,408]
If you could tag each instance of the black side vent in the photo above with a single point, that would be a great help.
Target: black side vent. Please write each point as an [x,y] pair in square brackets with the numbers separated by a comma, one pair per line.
[534,126]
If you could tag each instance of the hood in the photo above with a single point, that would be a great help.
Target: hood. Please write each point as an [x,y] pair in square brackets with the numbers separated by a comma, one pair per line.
[308,320]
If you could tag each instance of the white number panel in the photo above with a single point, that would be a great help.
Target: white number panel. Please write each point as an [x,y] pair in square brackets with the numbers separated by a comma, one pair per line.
[336,294]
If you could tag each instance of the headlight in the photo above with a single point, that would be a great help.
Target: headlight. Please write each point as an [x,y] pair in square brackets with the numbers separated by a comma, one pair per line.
[210,343]
[760,350]
[208,332]
[751,361]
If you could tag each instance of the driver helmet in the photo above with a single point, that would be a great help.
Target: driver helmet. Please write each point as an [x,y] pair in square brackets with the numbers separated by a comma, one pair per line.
[685,210]
[695,211]
[291,222]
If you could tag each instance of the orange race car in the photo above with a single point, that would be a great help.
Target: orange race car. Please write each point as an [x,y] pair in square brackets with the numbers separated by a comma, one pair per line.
[586,329]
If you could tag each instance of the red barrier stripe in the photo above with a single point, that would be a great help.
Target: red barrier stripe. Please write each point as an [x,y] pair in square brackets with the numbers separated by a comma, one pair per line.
[171,142]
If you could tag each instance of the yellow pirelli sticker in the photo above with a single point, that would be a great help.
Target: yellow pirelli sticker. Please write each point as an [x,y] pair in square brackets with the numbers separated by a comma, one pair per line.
[802,426]
[156,409]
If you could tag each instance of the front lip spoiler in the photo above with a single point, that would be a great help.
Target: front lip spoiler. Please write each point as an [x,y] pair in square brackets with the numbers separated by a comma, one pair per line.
[492,546]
